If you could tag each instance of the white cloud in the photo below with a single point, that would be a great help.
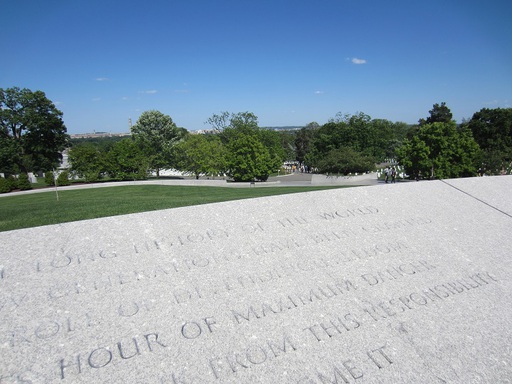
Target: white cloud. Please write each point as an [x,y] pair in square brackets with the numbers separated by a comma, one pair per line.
[319,92]
[182,91]
[102,79]
[124,98]
[355,60]
[149,92]
[58,103]
[96,99]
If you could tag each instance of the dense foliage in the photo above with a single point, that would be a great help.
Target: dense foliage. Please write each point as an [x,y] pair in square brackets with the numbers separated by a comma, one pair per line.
[201,155]
[250,152]
[492,130]
[351,143]
[32,133]
[439,150]
[33,137]
[156,134]
[434,148]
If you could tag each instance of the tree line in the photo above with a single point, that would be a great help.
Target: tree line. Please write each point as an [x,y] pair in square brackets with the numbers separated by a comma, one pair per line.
[33,137]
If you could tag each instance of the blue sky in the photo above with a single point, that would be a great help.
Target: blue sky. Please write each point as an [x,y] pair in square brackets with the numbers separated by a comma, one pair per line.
[289,62]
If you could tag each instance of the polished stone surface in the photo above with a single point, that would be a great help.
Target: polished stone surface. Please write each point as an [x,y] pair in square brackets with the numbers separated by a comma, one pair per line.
[402,283]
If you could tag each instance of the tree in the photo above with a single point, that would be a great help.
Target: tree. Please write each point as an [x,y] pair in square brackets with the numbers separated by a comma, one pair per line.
[366,137]
[127,161]
[271,140]
[228,120]
[345,160]
[247,159]
[201,154]
[156,134]
[251,152]
[438,114]
[87,161]
[387,136]
[32,133]
[440,150]
[287,140]
[303,141]
[492,130]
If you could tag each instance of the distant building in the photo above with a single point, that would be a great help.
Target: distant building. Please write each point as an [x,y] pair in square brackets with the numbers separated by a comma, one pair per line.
[98,134]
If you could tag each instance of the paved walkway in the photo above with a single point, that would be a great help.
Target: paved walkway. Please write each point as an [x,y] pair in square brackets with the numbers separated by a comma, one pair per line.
[295,179]
[309,179]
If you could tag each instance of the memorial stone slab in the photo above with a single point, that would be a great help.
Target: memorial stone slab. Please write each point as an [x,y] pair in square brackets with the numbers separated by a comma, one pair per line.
[32,178]
[495,190]
[403,283]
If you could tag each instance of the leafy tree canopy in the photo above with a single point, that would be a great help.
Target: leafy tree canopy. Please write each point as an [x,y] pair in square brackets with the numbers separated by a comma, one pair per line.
[156,134]
[32,133]
[438,114]
[345,160]
[126,161]
[440,150]
[87,160]
[371,138]
[303,140]
[492,129]
[201,154]
[227,120]
[251,152]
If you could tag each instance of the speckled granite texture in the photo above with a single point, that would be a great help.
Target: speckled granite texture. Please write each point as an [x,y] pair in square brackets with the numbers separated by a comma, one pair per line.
[404,283]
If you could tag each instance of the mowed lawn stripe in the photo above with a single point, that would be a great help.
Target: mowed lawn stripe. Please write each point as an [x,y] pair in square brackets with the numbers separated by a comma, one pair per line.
[33,210]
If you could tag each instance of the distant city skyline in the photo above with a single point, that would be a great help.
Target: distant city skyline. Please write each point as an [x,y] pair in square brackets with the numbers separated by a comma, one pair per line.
[288,62]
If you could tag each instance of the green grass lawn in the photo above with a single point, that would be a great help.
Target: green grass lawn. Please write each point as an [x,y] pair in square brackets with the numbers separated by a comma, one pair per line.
[32,210]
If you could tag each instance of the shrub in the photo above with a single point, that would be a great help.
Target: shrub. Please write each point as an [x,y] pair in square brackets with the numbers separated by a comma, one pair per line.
[13,182]
[49,179]
[23,182]
[4,185]
[63,179]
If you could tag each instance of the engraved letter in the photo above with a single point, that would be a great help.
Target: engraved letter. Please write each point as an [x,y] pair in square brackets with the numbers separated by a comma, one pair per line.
[155,335]
[106,360]
[64,366]
[137,352]
[285,341]
[191,330]
[371,355]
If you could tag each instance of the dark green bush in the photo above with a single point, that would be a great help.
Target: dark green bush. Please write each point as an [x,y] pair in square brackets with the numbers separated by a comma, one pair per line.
[63,179]
[13,182]
[4,185]
[49,179]
[24,182]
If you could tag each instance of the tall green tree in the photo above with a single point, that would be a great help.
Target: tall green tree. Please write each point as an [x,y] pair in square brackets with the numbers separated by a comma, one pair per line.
[439,113]
[126,161]
[32,132]
[251,152]
[367,138]
[492,130]
[287,140]
[226,121]
[156,134]
[271,140]
[201,155]
[87,161]
[303,141]
[247,158]
[440,150]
